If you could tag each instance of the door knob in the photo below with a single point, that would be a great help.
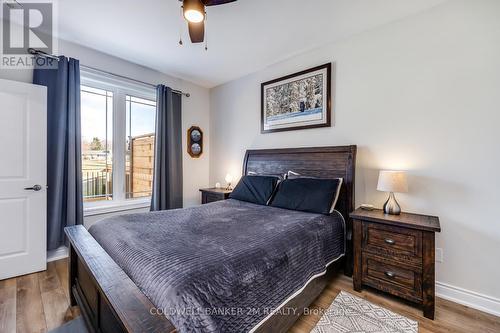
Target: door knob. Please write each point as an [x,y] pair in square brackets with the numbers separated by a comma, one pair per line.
[34,188]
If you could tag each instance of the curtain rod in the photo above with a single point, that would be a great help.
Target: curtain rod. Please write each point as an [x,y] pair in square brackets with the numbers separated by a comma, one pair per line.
[51,56]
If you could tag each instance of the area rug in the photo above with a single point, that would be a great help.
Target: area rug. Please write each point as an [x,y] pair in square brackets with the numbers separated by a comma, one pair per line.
[351,314]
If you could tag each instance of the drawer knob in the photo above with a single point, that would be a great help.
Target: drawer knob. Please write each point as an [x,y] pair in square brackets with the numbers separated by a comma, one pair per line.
[390,274]
[390,241]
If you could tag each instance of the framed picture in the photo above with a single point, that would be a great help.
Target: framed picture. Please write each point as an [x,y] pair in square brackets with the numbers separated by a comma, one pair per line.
[297,101]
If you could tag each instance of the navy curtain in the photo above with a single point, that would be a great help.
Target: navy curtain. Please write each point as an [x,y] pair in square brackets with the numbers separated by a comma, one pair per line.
[64,177]
[167,177]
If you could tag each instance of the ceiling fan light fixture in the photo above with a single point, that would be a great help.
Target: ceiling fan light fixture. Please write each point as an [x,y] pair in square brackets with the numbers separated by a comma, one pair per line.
[194,16]
[194,11]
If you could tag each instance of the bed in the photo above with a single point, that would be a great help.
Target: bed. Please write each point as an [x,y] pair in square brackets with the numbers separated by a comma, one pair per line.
[128,270]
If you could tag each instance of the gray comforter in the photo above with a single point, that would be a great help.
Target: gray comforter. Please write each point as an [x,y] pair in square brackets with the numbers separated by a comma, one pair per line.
[221,267]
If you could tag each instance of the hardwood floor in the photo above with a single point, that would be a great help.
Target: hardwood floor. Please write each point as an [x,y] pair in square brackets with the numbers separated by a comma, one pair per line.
[40,302]
[36,302]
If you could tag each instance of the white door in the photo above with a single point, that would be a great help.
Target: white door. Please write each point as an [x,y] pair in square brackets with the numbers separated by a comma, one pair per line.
[23,173]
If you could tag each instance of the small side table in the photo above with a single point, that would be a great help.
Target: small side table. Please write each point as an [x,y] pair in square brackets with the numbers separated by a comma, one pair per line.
[214,194]
[396,254]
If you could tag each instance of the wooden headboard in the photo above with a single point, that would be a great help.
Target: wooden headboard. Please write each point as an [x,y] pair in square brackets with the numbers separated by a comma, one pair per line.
[321,162]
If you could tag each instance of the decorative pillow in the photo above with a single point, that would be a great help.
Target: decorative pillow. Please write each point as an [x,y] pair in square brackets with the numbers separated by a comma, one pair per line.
[255,189]
[294,175]
[315,195]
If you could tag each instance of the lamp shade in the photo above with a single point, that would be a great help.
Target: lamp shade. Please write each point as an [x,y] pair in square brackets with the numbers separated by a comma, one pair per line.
[392,181]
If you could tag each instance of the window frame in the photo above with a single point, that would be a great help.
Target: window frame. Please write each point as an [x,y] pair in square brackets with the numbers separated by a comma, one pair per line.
[133,100]
[109,110]
[120,87]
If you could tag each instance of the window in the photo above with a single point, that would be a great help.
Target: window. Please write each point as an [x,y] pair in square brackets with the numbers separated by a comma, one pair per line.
[118,132]
[141,114]
[97,134]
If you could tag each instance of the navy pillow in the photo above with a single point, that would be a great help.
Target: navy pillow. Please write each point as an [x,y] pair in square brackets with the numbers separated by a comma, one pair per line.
[314,195]
[255,189]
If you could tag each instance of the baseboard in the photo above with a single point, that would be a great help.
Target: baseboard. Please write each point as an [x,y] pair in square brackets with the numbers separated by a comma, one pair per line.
[468,298]
[57,254]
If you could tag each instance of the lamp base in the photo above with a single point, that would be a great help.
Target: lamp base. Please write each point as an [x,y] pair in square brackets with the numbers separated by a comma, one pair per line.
[391,206]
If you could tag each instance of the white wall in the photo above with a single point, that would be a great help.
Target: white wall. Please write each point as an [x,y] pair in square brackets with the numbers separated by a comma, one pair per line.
[421,94]
[195,109]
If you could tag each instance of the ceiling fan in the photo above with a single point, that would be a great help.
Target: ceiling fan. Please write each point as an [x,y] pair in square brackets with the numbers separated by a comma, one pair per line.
[195,14]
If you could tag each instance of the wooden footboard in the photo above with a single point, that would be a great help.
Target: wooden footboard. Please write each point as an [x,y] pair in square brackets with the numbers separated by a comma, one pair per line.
[109,300]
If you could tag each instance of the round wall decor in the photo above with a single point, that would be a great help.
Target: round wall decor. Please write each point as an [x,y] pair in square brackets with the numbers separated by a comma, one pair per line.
[194,141]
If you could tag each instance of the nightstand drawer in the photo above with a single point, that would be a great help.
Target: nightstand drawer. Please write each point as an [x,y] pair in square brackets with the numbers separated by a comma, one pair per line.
[392,277]
[392,241]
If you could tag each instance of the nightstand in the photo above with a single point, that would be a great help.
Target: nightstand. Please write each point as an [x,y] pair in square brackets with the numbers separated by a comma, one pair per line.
[395,254]
[214,194]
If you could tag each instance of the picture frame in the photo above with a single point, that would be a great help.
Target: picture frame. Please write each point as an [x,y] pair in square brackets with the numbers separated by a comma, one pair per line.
[297,101]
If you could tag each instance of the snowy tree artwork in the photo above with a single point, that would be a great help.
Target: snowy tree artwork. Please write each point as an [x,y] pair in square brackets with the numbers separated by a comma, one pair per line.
[297,101]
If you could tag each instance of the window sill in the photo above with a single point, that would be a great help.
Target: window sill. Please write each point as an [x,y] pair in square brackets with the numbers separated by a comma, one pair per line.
[113,207]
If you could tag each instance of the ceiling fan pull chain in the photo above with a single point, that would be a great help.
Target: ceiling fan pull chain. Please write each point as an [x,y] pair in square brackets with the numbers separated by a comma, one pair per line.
[181,21]
[206,32]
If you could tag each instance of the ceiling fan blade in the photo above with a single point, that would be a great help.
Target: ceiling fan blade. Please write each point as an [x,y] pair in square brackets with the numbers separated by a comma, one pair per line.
[216,2]
[196,32]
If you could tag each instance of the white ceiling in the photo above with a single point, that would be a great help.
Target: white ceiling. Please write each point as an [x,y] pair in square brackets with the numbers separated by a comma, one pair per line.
[243,36]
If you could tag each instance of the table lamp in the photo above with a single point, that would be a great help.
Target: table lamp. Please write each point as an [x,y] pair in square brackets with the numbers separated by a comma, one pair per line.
[229,179]
[392,181]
